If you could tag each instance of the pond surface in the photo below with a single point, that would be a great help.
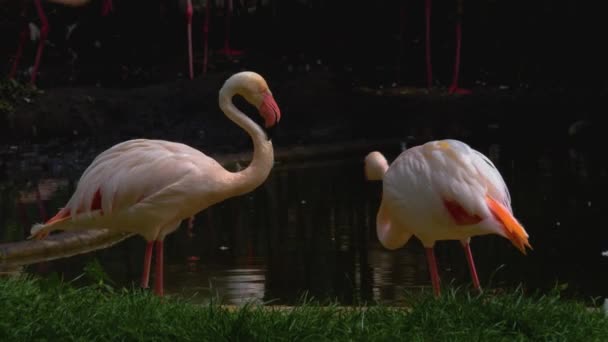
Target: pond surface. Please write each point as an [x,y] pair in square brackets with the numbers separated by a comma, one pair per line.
[310,230]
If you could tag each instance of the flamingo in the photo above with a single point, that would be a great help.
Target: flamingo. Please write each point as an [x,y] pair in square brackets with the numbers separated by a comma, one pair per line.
[442,190]
[148,187]
[44,31]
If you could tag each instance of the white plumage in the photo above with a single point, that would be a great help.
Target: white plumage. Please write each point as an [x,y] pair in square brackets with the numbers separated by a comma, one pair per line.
[442,190]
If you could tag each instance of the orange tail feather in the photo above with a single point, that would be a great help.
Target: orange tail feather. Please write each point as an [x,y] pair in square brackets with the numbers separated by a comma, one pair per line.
[513,229]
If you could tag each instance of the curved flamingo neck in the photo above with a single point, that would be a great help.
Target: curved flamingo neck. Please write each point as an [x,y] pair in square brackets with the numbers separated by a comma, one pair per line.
[246,180]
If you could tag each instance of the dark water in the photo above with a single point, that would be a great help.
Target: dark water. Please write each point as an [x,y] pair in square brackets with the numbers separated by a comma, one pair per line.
[310,229]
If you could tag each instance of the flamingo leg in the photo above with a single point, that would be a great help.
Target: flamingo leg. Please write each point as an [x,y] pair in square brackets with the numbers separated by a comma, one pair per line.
[44,31]
[145,276]
[189,11]
[429,67]
[22,38]
[206,37]
[471,262]
[227,50]
[159,276]
[454,89]
[430,256]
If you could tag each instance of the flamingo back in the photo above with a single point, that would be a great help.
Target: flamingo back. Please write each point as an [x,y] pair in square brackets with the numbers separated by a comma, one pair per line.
[140,182]
[438,190]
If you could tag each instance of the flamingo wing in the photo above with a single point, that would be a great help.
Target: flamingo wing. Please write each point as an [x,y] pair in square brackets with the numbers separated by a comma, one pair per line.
[128,173]
[445,180]
[464,178]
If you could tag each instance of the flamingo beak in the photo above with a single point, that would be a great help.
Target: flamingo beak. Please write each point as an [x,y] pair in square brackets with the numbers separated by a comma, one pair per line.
[269,110]
[271,113]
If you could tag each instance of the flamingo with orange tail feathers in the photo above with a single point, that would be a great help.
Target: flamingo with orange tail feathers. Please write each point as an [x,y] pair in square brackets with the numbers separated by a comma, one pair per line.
[148,187]
[442,190]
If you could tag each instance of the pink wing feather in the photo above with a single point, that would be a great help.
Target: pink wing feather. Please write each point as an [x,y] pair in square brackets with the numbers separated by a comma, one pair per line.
[125,174]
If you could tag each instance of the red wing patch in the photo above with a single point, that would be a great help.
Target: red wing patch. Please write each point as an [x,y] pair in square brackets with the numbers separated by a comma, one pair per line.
[65,212]
[459,214]
[96,203]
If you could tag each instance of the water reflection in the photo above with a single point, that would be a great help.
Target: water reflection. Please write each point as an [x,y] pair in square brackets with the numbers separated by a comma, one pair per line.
[310,229]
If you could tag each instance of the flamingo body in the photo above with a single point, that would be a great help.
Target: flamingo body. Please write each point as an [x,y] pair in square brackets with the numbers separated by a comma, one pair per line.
[442,190]
[148,187]
[144,186]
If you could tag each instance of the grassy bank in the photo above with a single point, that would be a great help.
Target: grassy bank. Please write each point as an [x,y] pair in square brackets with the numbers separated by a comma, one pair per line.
[39,310]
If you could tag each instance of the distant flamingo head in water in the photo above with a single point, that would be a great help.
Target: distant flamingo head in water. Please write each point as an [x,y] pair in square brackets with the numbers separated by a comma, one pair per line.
[255,90]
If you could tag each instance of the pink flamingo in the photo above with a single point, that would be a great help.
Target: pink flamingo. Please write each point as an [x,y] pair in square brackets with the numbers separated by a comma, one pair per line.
[44,31]
[442,190]
[148,187]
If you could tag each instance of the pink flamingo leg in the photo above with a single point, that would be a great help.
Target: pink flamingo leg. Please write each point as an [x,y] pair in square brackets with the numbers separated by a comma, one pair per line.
[44,31]
[471,262]
[159,274]
[189,11]
[227,50]
[206,37]
[429,67]
[22,38]
[145,276]
[430,256]
[454,89]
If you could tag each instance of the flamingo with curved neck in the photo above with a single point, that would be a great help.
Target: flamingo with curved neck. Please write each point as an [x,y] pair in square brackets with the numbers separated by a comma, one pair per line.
[148,187]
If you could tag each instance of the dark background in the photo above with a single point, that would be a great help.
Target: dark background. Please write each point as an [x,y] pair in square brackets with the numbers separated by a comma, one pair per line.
[536,43]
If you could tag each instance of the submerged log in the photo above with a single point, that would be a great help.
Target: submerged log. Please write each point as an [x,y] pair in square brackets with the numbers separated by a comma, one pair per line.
[56,246]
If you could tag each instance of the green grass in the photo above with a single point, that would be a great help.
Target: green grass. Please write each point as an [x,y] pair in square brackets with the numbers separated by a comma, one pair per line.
[47,310]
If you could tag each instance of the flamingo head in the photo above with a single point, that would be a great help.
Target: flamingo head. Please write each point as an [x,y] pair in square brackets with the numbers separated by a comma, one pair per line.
[255,90]
[375,166]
